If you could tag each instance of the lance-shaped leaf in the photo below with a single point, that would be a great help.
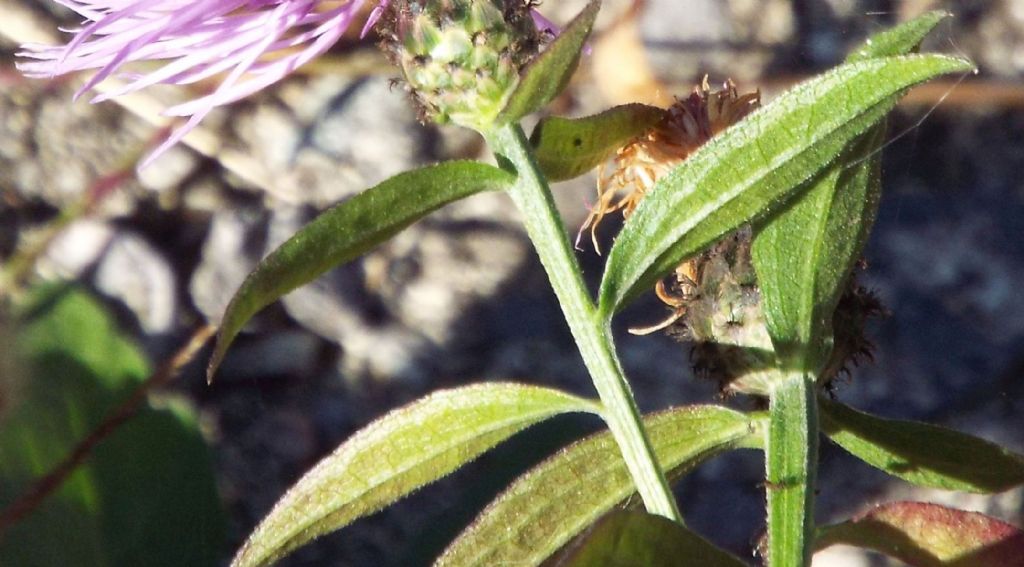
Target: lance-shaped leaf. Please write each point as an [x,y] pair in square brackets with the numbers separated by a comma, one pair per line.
[929,535]
[549,73]
[566,148]
[752,168]
[628,538]
[397,454]
[923,454]
[804,255]
[348,230]
[553,502]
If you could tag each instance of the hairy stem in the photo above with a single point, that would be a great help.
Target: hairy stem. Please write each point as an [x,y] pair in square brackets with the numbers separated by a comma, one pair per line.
[791,457]
[593,337]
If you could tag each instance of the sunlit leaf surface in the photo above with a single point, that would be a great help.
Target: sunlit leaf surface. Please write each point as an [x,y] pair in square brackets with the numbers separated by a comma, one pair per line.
[923,454]
[752,168]
[349,230]
[397,454]
[554,501]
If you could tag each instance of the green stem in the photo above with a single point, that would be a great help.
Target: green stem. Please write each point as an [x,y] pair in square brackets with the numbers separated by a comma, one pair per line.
[791,457]
[593,337]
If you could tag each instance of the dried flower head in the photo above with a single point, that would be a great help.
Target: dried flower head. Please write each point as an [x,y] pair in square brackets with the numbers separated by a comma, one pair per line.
[687,125]
[714,297]
[725,322]
[249,44]
[639,164]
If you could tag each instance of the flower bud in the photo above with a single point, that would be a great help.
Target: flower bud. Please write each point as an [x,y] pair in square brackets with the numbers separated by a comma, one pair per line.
[461,58]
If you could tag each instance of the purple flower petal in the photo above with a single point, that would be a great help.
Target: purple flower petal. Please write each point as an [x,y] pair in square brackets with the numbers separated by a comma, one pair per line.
[252,43]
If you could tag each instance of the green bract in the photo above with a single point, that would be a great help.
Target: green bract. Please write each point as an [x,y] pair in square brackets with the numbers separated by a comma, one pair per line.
[567,148]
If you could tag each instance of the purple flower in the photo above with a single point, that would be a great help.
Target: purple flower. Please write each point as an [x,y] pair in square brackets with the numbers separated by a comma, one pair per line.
[252,43]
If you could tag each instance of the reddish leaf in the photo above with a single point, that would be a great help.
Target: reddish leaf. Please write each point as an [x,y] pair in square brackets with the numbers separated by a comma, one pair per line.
[929,535]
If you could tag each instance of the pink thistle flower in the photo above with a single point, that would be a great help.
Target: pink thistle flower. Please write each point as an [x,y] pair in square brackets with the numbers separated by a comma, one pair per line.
[253,43]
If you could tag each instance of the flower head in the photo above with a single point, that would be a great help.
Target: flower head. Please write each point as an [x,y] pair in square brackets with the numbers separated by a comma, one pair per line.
[714,297]
[687,125]
[461,58]
[639,164]
[249,43]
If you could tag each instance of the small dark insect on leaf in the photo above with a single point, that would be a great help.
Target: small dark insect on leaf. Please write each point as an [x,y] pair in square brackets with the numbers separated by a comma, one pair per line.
[782,485]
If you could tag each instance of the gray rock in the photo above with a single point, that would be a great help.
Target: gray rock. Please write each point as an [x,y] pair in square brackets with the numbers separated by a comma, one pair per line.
[53,149]
[135,273]
[997,41]
[334,138]
[233,247]
[169,170]
[77,248]
[394,309]
[736,39]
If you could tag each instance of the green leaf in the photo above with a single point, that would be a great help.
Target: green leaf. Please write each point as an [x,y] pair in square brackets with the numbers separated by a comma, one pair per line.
[899,40]
[804,255]
[146,496]
[395,455]
[546,507]
[348,230]
[929,535]
[549,73]
[750,170]
[566,148]
[923,454]
[629,538]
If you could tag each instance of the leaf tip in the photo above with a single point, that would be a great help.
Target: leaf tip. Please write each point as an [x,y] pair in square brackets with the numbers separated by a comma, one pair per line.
[220,348]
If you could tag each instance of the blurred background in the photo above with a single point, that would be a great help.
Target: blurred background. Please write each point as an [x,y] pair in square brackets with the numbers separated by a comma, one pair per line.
[460,296]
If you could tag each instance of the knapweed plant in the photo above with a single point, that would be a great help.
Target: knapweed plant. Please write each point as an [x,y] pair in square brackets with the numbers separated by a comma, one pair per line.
[747,219]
